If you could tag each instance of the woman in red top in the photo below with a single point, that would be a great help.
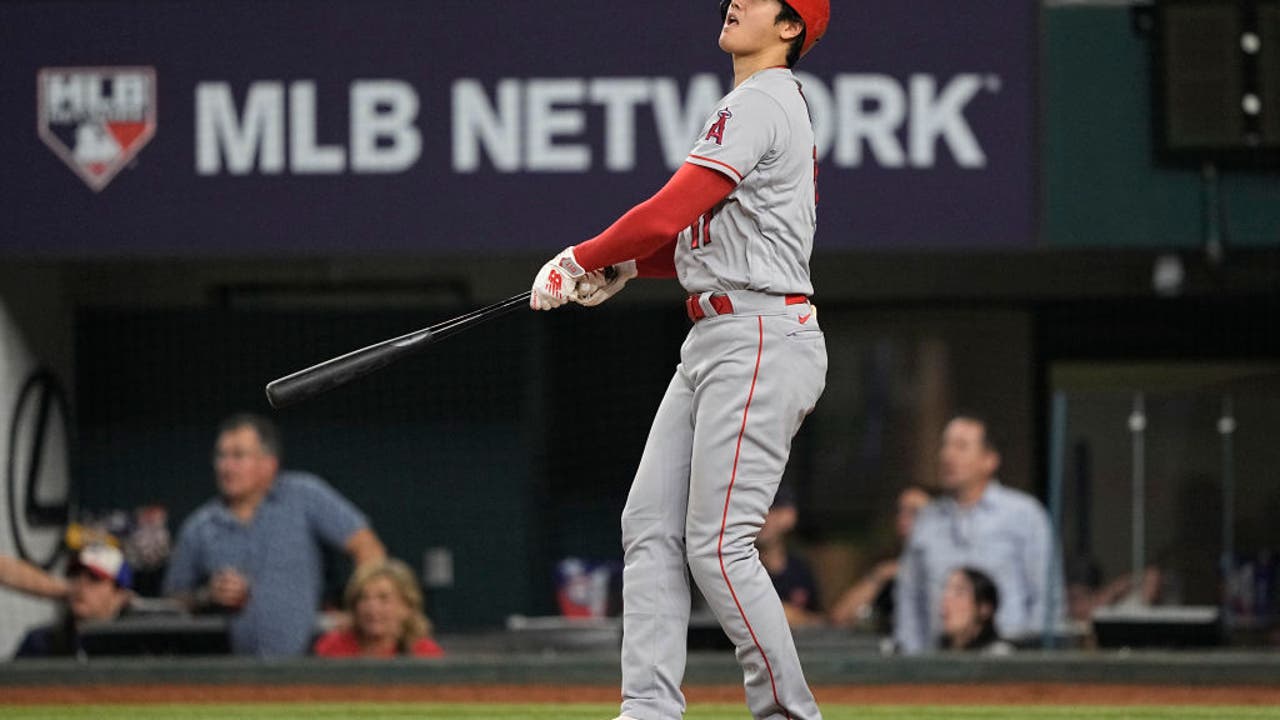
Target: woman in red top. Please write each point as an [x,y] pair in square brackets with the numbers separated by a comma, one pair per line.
[386,611]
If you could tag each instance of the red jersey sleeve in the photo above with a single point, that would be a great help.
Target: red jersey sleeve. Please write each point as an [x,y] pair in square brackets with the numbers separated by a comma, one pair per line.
[661,263]
[645,228]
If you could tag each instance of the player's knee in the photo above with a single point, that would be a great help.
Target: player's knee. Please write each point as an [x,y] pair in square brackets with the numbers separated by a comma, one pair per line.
[704,555]
[710,555]
[704,568]
[640,531]
[636,525]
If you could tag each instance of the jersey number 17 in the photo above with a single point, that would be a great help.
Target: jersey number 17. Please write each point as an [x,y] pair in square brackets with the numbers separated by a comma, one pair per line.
[700,230]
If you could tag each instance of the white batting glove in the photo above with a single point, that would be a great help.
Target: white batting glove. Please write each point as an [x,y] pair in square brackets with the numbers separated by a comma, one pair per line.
[600,285]
[555,283]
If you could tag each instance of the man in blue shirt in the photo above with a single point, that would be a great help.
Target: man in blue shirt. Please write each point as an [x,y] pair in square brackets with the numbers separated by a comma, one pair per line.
[979,523]
[255,551]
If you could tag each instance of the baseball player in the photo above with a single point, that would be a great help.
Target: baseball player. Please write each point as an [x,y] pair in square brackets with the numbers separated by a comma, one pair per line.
[735,224]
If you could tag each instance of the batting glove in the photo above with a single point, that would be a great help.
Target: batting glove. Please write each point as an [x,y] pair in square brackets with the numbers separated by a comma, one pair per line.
[555,283]
[601,285]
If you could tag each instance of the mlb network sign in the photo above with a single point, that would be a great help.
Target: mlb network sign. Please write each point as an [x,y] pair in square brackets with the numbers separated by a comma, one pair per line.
[396,127]
[96,119]
[543,125]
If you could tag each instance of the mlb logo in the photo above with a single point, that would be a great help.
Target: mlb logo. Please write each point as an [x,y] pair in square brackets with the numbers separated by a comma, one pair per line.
[96,118]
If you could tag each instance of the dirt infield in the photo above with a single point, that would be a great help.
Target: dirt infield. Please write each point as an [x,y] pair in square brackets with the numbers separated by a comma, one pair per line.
[985,694]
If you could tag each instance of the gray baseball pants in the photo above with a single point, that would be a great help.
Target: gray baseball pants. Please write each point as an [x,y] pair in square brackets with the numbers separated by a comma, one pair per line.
[710,468]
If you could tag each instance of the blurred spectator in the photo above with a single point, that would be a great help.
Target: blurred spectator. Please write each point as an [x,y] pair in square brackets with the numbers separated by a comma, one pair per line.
[1086,593]
[26,578]
[99,581]
[588,588]
[980,523]
[142,534]
[791,575]
[969,604]
[256,550]
[872,596]
[385,603]
[1084,584]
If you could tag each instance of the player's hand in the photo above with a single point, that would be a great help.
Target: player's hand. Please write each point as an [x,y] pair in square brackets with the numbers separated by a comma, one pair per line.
[600,285]
[555,283]
[229,588]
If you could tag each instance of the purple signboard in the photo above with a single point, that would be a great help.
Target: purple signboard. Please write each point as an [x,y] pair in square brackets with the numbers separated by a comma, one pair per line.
[294,128]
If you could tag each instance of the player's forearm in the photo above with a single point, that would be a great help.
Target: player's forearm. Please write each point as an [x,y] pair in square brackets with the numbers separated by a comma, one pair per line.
[647,227]
[639,233]
[847,610]
[30,579]
[364,547]
[194,600]
[799,617]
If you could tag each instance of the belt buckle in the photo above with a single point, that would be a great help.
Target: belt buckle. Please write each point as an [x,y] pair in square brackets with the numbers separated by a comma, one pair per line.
[721,303]
[693,308]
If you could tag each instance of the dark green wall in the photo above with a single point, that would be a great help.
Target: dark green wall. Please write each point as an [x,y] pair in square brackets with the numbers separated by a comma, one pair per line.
[1101,184]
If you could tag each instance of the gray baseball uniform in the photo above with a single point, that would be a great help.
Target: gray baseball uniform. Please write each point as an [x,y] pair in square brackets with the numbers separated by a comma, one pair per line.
[753,365]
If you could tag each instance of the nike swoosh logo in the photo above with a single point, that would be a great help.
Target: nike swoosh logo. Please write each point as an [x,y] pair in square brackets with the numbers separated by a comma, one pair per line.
[804,318]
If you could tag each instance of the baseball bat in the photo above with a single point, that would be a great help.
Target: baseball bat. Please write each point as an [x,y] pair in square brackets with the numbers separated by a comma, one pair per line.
[341,370]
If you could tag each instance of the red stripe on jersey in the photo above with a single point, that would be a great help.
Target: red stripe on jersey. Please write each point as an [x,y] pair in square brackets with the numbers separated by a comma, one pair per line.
[721,164]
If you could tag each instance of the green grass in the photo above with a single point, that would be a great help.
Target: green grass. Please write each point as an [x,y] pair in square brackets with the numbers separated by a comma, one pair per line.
[475,711]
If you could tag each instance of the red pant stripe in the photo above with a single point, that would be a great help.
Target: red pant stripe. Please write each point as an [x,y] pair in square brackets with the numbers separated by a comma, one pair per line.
[724,521]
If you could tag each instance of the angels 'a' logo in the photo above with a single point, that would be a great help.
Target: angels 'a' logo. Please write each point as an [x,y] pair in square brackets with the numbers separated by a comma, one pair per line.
[717,128]
[96,118]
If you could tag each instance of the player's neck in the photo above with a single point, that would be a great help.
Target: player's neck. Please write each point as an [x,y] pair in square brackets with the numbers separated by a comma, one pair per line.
[744,66]
[244,507]
[379,647]
[969,496]
[966,637]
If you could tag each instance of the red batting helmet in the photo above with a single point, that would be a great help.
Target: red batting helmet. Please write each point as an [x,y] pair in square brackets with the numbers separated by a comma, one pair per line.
[815,13]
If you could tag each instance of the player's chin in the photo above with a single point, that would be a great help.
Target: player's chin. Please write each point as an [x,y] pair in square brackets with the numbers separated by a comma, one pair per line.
[733,44]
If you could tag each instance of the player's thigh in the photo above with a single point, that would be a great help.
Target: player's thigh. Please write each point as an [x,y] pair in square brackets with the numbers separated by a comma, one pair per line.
[748,406]
[737,454]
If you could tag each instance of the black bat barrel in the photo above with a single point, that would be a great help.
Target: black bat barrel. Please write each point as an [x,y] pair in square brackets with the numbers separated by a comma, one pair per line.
[343,369]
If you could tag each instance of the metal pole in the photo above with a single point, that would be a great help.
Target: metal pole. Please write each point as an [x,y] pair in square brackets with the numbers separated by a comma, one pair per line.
[1211,193]
[1084,499]
[1227,429]
[1137,429]
[1057,453]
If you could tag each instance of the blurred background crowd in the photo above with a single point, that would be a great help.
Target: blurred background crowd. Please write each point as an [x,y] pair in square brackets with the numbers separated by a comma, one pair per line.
[1048,266]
